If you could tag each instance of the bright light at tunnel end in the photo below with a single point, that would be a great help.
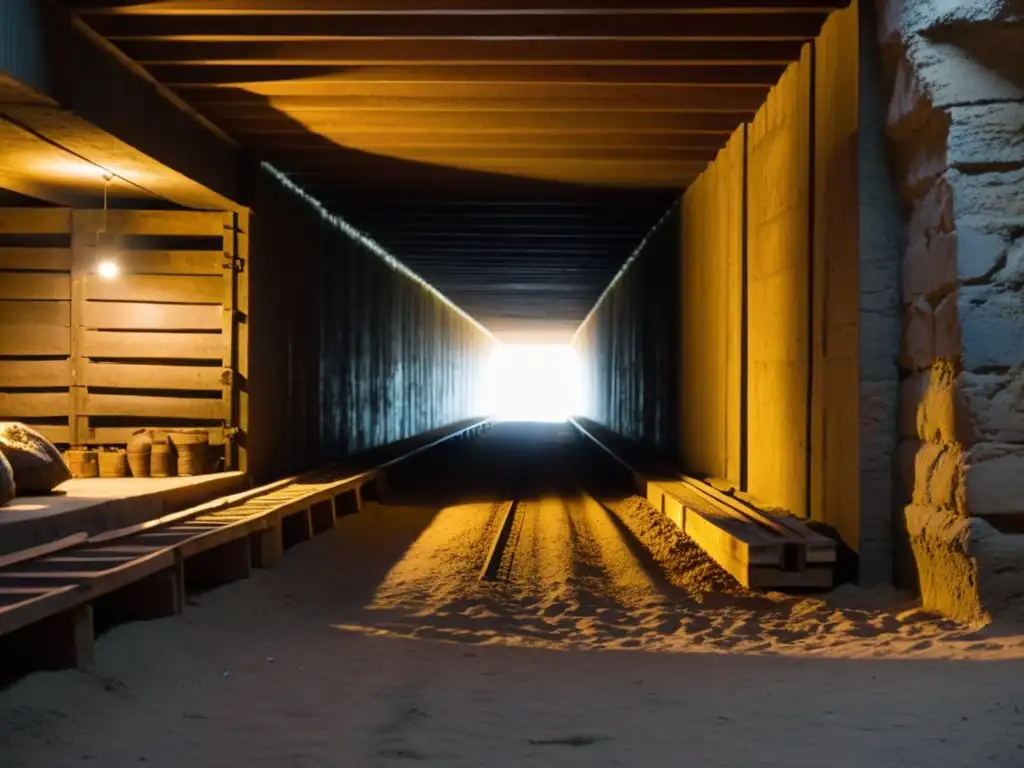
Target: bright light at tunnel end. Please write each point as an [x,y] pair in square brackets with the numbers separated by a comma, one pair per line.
[533,382]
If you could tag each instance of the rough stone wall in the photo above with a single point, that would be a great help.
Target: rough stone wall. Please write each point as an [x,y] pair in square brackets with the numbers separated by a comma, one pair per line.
[955,71]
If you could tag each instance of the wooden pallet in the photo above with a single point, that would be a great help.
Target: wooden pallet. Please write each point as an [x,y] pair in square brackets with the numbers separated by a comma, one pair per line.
[760,549]
[49,591]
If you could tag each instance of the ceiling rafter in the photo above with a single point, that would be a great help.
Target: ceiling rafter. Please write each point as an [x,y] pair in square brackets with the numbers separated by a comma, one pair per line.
[512,152]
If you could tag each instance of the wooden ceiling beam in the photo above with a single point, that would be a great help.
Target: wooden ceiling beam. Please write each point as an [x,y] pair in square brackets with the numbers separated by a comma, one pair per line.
[339,125]
[738,26]
[313,145]
[339,7]
[465,52]
[710,101]
[363,95]
[311,81]
[321,161]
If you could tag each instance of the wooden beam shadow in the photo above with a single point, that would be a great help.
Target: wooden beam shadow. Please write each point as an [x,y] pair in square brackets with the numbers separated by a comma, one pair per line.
[322,516]
[219,565]
[296,528]
[65,640]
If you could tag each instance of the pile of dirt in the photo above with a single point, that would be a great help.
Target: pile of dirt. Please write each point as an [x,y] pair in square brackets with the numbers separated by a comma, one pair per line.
[37,464]
[684,564]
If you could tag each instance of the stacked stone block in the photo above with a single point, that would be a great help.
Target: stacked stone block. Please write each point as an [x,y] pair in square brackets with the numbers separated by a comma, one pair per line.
[956,128]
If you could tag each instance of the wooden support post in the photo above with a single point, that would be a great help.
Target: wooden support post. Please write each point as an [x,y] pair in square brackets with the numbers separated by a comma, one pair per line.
[267,546]
[240,341]
[322,516]
[379,486]
[82,252]
[67,640]
[156,596]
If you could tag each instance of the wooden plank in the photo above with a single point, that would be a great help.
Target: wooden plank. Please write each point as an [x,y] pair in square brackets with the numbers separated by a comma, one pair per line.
[42,550]
[34,285]
[121,315]
[155,407]
[40,340]
[711,286]
[34,313]
[34,373]
[196,223]
[164,288]
[835,369]
[48,259]
[184,346]
[21,405]
[81,237]
[131,376]
[229,331]
[59,434]
[152,262]
[35,221]
[178,517]
[240,374]
[55,600]
[120,435]
[723,548]
[778,280]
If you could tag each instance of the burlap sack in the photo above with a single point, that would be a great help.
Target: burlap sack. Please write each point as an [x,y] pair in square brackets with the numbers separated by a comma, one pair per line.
[37,464]
[7,490]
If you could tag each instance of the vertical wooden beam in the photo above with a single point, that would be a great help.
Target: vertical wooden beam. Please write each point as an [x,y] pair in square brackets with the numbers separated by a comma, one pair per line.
[82,251]
[67,640]
[240,342]
[228,333]
[322,515]
[267,546]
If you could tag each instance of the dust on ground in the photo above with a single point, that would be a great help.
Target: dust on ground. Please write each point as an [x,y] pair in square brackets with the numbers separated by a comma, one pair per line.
[614,641]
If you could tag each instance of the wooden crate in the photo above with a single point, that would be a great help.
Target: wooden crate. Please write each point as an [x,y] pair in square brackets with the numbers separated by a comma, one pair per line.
[92,359]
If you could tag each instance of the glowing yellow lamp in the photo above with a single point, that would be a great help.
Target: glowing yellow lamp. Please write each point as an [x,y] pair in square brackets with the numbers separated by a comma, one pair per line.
[108,269]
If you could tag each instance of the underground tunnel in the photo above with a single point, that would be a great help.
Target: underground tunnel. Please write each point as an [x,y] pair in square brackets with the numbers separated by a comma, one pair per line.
[690,326]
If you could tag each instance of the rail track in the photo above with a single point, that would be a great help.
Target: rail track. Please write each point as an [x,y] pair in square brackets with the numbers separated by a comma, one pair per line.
[48,593]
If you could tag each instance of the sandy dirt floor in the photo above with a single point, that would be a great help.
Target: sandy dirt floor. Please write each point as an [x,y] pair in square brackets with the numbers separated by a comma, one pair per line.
[611,640]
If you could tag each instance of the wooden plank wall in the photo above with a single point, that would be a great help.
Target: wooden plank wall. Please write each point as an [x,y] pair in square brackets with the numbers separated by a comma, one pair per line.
[798,236]
[835,435]
[778,292]
[629,347]
[372,355]
[95,359]
[35,318]
[711,307]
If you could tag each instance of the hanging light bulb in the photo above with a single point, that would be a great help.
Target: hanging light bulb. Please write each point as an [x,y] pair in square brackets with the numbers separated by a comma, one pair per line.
[107,250]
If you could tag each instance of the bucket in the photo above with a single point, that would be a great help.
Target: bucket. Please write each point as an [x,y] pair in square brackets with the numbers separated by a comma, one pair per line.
[140,452]
[162,459]
[193,448]
[113,463]
[82,462]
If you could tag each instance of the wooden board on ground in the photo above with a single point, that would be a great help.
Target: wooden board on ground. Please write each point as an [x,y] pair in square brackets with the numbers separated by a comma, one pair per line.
[761,550]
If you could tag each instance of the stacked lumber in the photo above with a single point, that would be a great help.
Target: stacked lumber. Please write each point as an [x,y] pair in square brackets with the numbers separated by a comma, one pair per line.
[760,549]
